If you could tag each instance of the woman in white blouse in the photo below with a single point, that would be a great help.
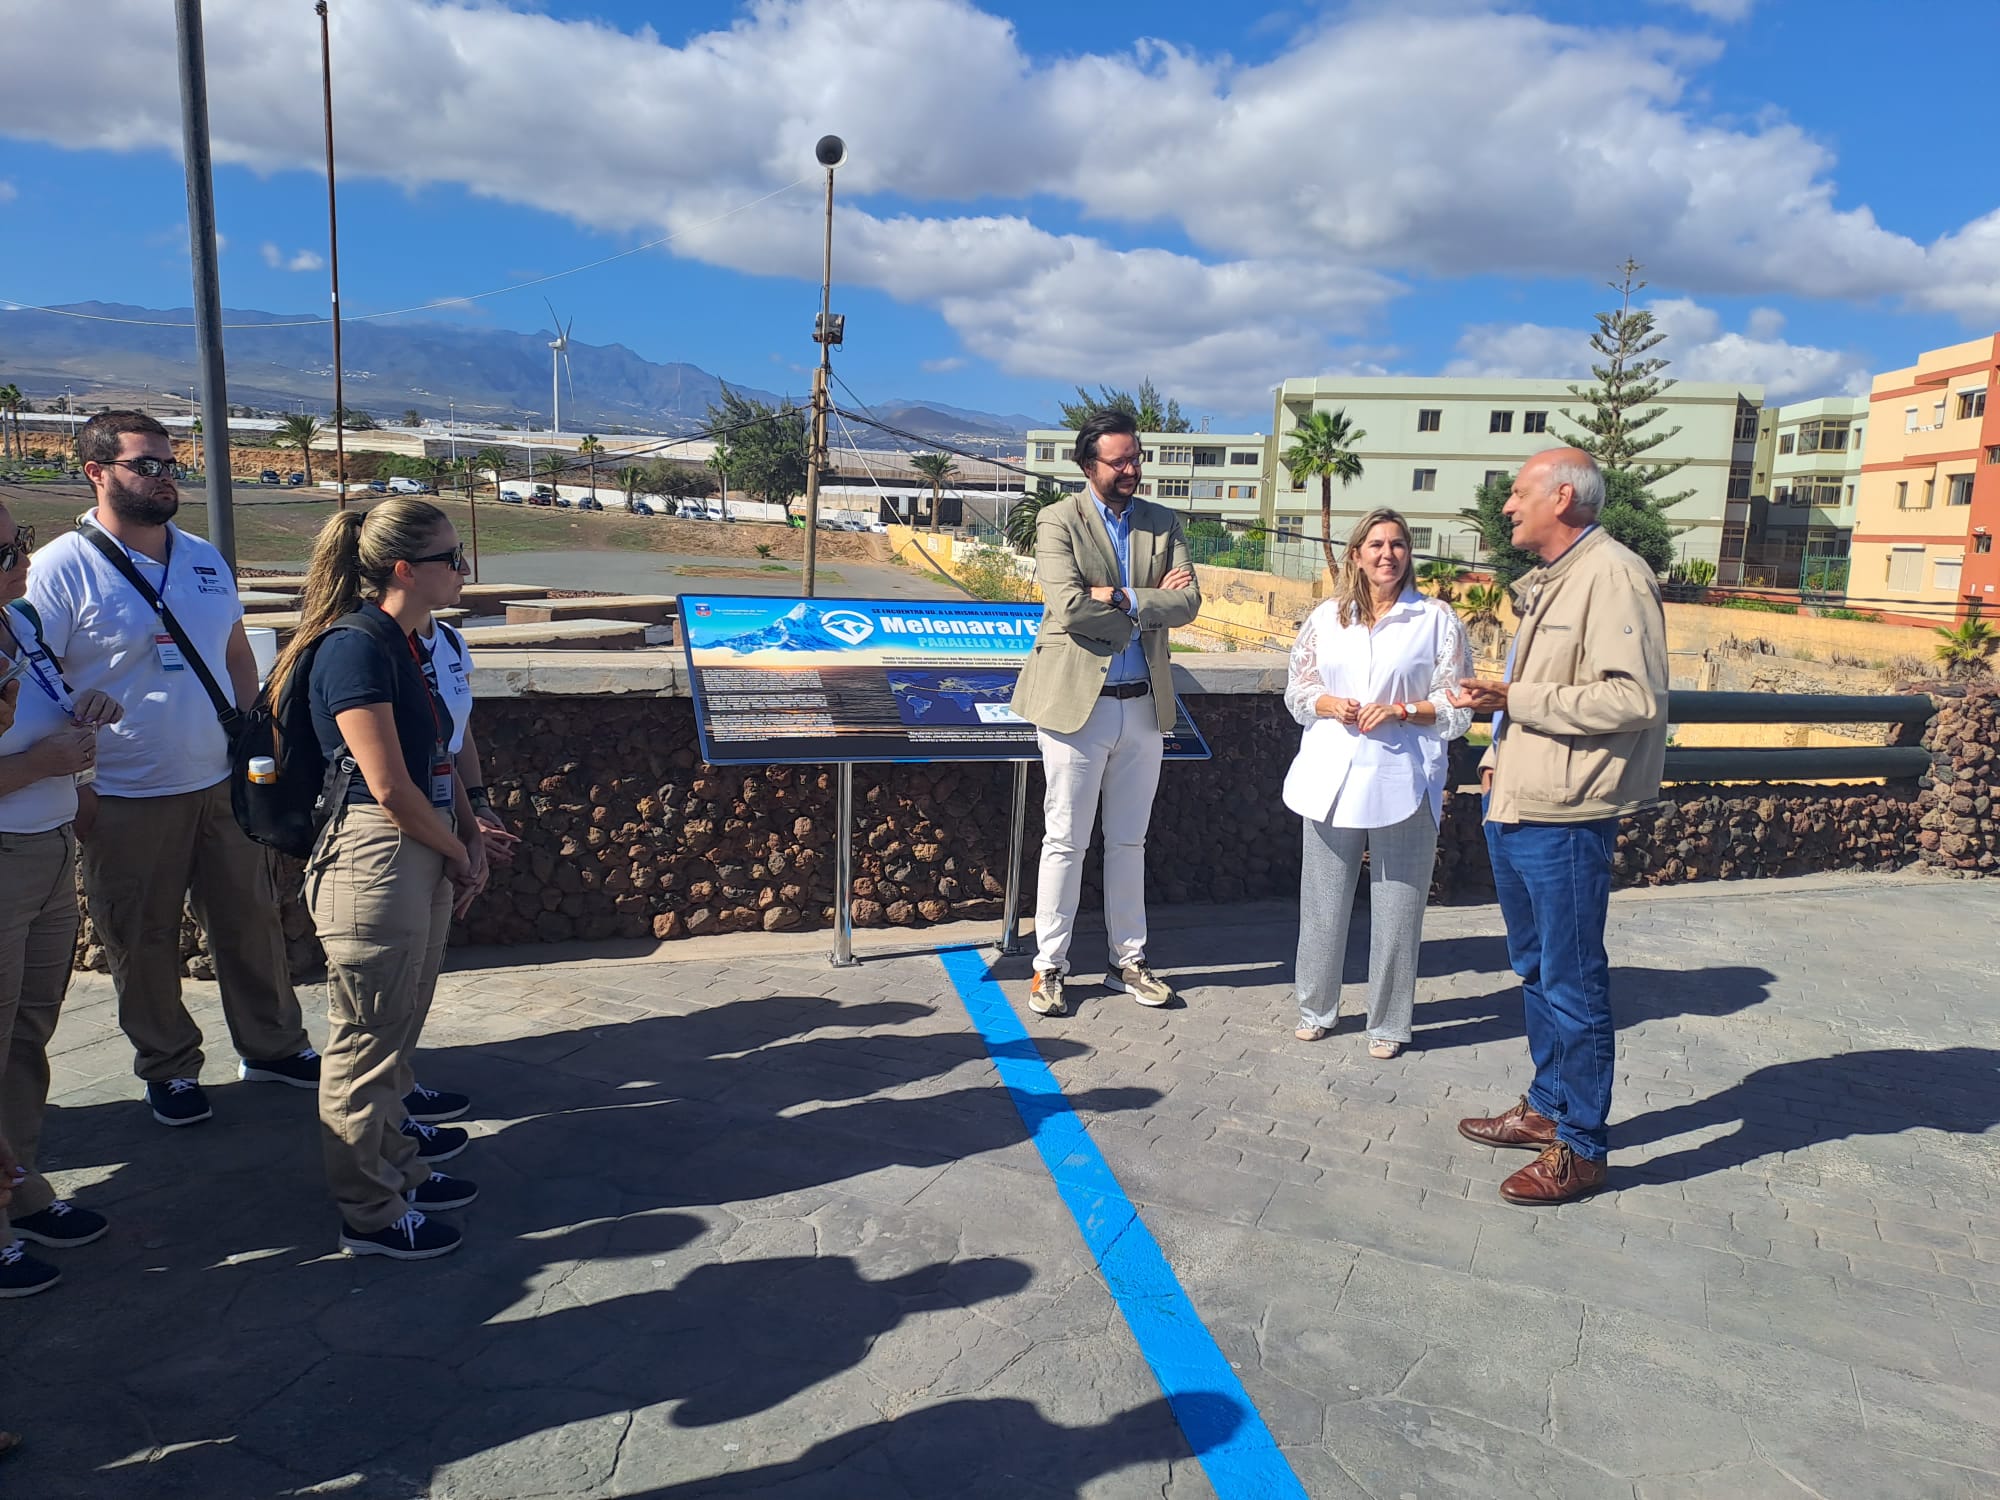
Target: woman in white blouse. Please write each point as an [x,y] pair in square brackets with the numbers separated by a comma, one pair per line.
[1369,676]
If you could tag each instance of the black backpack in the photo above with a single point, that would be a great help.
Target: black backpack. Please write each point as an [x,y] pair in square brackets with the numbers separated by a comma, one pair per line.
[289,813]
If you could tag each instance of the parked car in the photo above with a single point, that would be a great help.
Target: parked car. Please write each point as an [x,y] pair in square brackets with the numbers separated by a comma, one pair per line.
[512,497]
[377,487]
[295,478]
[641,508]
[269,476]
[542,495]
[402,485]
[561,502]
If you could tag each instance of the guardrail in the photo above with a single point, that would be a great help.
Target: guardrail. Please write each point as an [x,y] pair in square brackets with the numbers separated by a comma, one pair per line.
[1816,763]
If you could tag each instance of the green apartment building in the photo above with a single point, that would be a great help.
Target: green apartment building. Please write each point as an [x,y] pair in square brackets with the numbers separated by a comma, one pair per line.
[1432,441]
[1795,529]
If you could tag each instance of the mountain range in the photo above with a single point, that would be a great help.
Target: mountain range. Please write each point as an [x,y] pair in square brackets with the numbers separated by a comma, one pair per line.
[276,361]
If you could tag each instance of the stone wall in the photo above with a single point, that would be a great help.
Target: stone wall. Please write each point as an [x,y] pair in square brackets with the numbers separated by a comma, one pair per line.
[628,834]
[1958,831]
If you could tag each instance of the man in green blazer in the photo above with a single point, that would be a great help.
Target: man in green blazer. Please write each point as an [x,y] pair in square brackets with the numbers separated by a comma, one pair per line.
[1115,577]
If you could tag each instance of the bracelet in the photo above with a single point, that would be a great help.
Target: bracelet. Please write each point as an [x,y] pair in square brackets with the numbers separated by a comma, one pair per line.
[476,795]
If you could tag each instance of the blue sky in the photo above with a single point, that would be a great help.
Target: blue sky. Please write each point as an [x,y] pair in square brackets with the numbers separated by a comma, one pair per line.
[1244,195]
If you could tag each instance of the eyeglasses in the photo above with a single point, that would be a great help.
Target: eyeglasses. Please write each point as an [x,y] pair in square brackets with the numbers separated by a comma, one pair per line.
[1121,464]
[145,468]
[12,552]
[456,557]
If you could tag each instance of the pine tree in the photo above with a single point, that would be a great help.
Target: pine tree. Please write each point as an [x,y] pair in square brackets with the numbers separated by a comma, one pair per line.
[1627,381]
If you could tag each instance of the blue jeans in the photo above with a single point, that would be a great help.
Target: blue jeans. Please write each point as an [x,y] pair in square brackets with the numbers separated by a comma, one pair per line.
[1553,882]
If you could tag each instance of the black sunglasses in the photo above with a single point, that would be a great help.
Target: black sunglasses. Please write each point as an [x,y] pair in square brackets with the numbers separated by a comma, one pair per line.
[12,552]
[145,468]
[456,557]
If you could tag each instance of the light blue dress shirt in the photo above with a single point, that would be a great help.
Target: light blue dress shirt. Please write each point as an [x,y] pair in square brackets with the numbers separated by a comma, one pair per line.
[1128,665]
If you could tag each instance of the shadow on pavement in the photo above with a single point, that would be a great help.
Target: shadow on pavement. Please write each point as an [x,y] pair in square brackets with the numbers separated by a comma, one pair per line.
[969,1449]
[1637,995]
[213,1347]
[1789,1106]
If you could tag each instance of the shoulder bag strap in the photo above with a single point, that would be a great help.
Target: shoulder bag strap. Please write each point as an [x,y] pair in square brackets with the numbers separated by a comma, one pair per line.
[225,710]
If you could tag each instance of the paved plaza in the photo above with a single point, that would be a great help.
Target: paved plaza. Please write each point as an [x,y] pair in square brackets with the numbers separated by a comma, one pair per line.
[754,1226]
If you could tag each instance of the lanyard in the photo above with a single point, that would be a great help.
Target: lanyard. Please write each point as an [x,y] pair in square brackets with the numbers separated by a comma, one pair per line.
[165,564]
[50,683]
[430,696]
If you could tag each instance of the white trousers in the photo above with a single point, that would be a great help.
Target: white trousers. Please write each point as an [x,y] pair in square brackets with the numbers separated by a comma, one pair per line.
[1115,759]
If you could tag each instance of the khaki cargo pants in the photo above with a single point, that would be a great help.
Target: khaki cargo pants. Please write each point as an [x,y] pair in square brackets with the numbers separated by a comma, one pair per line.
[143,859]
[37,943]
[382,904]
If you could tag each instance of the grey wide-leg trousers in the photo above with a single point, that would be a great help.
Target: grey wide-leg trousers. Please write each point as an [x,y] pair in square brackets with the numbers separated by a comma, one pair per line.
[1400,862]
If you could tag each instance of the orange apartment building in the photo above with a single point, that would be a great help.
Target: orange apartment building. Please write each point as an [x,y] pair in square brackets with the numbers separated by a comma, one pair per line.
[1928,505]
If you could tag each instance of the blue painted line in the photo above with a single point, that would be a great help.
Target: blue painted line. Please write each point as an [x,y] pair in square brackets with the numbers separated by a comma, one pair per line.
[1236,1449]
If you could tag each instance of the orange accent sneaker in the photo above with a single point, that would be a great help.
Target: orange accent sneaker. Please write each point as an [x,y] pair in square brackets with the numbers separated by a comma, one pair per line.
[1045,995]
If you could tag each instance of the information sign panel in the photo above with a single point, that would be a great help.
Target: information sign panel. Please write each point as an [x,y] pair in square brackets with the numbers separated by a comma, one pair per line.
[830,680]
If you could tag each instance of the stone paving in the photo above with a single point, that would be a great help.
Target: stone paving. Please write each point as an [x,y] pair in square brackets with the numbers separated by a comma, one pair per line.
[752,1226]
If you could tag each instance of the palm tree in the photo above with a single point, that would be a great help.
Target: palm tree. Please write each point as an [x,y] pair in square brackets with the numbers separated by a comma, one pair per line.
[590,447]
[1964,650]
[1442,574]
[434,470]
[722,460]
[301,432]
[629,479]
[492,460]
[10,409]
[937,468]
[463,467]
[1027,511]
[1323,444]
[1480,608]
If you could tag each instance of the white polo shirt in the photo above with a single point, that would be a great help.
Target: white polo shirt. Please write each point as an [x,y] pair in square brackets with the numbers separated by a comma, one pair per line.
[41,710]
[106,634]
[451,673]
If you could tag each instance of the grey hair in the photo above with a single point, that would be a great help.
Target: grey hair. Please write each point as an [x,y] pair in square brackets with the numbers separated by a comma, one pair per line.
[1585,479]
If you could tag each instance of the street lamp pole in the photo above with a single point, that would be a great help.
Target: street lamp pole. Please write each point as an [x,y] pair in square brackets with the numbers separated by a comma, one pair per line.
[333,255]
[830,152]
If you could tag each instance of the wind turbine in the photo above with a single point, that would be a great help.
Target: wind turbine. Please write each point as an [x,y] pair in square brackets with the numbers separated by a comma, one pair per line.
[559,354]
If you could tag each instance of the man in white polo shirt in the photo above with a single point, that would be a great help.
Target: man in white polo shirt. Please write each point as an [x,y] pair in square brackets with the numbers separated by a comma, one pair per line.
[161,830]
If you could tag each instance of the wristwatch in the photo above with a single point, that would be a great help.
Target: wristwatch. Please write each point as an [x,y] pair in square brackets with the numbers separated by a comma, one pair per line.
[1121,601]
[1403,711]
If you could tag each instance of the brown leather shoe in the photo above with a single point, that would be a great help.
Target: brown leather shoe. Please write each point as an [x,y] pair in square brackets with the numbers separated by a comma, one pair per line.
[1558,1175]
[1519,1126]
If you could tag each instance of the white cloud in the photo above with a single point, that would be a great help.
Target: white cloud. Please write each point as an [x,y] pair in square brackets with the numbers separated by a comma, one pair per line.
[1729,11]
[298,260]
[946,365]
[8,192]
[1696,346]
[1481,141]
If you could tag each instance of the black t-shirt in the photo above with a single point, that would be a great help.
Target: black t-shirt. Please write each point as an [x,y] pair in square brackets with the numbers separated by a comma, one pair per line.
[354,668]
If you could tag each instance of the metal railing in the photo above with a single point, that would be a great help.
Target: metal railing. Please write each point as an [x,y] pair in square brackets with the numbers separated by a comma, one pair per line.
[1810,763]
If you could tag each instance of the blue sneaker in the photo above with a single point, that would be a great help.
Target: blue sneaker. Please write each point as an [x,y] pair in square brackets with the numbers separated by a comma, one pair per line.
[412,1237]
[22,1277]
[438,1192]
[434,1106]
[436,1142]
[301,1070]
[178,1101]
[61,1225]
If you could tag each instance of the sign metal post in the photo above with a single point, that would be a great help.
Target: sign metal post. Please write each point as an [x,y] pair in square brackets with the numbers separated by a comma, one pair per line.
[843,871]
[1017,837]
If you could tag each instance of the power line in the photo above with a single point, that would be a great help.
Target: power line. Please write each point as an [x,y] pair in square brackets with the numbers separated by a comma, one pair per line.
[400,312]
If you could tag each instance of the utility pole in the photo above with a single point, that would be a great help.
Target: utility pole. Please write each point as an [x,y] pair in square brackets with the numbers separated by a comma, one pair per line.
[207,281]
[830,152]
[333,256]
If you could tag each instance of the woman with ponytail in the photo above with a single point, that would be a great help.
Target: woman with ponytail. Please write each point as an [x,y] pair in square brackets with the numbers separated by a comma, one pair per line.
[400,852]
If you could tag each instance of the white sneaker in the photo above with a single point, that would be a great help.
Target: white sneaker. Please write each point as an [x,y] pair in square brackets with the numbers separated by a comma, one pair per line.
[1045,994]
[1143,985]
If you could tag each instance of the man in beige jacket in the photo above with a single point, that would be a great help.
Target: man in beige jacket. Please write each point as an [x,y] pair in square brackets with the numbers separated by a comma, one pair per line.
[1579,737]
[1115,577]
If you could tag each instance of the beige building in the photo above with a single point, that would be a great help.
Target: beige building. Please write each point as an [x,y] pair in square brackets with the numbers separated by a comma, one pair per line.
[1929,498]
[1431,443]
[1212,476]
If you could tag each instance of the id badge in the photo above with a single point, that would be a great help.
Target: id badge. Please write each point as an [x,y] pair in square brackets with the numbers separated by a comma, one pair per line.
[169,649]
[441,783]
